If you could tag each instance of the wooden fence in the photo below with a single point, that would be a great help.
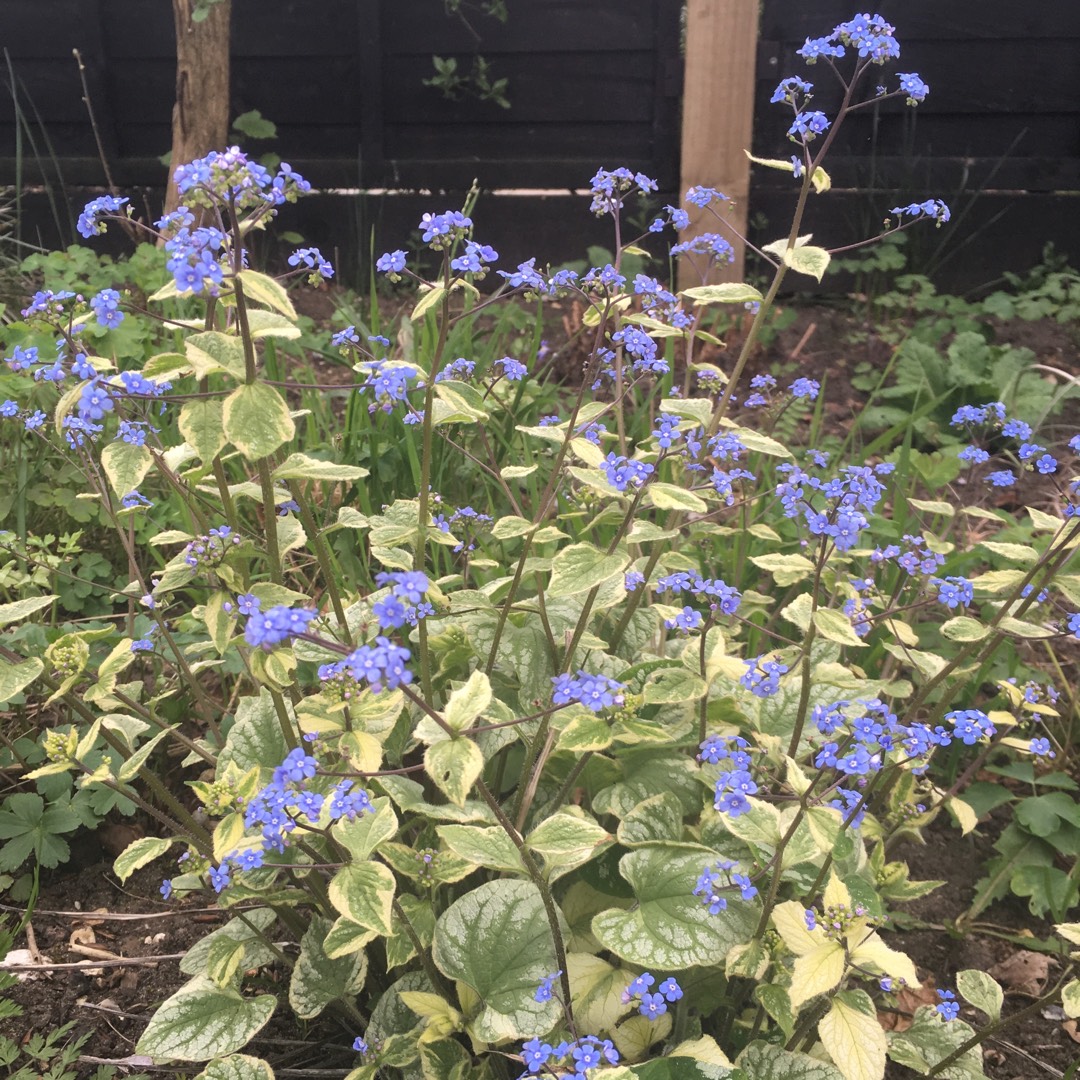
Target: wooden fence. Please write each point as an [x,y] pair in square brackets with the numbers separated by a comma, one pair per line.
[591,82]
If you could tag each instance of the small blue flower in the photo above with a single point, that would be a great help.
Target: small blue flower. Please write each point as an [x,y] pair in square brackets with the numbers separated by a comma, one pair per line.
[948,1008]
[543,991]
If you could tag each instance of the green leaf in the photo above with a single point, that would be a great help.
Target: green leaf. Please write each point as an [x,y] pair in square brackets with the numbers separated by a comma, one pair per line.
[458,403]
[317,980]
[346,937]
[364,892]
[567,840]
[982,991]
[928,1040]
[836,626]
[257,420]
[203,428]
[365,833]
[506,528]
[126,465]
[268,292]
[766,1061]
[787,569]
[269,324]
[647,773]
[467,703]
[1070,999]
[653,820]
[302,467]
[1021,628]
[813,261]
[224,960]
[730,292]
[14,678]
[212,352]
[817,972]
[964,628]
[854,1039]
[427,301]
[255,739]
[670,928]
[578,568]
[237,931]
[672,497]
[497,940]
[820,178]
[167,366]
[20,609]
[237,1067]
[761,444]
[454,765]
[129,769]
[202,1021]
[138,854]
[669,685]
[1022,553]
[482,845]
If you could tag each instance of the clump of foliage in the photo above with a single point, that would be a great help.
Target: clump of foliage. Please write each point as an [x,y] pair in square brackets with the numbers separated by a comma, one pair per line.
[580,750]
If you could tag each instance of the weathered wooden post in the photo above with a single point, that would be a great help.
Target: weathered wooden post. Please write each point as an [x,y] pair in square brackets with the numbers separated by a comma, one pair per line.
[718,113]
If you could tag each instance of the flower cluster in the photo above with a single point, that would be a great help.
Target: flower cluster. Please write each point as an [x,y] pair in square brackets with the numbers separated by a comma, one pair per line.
[313,259]
[717,879]
[381,666]
[623,472]
[835,507]
[474,258]
[288,802]
[568,1060]
[211,549]
[720,596]
[652,1005]
[609,187]
[406,603]
[596,692]
[440,231]
[229,176]
[267,629]
[762,676]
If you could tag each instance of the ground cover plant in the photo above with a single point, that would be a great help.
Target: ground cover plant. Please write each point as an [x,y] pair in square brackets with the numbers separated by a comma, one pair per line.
[579,746]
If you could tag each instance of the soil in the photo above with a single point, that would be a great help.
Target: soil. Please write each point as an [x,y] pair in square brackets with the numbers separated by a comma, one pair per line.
[87,905]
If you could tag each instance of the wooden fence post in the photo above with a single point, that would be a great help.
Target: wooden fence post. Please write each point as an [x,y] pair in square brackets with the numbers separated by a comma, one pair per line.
[718,114]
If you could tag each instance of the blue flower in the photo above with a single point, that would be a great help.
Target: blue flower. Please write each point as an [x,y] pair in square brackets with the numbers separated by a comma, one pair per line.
[264,630]
[535,1054]
[513,370]
[948,1008]
[596,692]
[789,89]
[543,991]
[807,126]
[313,259]
[88,224]
[166,889]
[219,877]
[622,472]
[106,307]
[915,89]
[1041,748]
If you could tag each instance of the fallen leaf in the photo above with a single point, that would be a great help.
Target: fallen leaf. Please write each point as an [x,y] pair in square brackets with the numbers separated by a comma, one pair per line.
[1024,972]
[907,1001]
[1072,1030]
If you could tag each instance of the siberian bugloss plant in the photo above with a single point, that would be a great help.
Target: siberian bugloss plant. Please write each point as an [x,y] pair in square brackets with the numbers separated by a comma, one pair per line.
[594,776]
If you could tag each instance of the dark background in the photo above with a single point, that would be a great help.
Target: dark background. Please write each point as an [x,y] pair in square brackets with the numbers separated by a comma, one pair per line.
[591,83]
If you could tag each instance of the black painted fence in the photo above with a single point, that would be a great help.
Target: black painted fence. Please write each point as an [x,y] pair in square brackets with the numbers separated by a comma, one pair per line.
[591,82]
